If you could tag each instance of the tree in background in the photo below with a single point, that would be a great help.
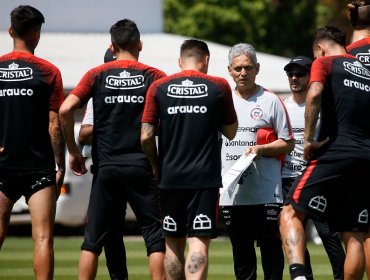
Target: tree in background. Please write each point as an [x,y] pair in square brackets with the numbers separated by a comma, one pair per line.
[281,27]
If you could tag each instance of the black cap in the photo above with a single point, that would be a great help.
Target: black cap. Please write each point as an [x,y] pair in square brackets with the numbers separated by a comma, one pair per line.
[300,60]
[109,56]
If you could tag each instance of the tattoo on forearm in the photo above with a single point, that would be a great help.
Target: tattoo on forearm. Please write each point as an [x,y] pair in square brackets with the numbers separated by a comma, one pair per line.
[150,146]
[197,262]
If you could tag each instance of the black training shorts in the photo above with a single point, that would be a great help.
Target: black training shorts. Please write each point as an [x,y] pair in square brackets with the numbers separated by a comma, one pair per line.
[16,184]
[336,190]
[189,212]
[113,187]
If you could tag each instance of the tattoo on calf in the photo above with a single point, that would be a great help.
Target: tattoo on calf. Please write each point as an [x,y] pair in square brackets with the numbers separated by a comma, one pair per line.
[174,268]
[197,261]
[292,241]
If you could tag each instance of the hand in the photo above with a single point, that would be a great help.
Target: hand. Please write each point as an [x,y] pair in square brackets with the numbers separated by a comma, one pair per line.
[1,149]
[254,150]
[156,173]
[77,164]
[310,146]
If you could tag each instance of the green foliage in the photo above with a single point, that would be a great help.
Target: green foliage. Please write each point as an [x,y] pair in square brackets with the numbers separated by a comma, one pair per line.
[283,27]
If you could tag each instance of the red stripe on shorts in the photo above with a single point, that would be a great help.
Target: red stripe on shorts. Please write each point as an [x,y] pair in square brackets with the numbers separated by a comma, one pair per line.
[302,182]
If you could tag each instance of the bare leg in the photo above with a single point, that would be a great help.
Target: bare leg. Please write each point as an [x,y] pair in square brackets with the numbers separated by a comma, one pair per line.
[156,266]
[42,209]
[367,254]
[354,265]
[174,260]
[6,206]
[292,234]
[196,266]
[88,265]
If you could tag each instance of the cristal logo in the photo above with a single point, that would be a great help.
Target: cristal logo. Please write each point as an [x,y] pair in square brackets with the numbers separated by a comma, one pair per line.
[364,58]
[187,90]
[124,81]
[14,73]
[357,69]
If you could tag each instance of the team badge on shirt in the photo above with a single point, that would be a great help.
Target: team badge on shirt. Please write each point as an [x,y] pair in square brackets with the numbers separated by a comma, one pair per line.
[187,89]
[364,58]
[124,81]
[357,69]
[14,73]
[256,113]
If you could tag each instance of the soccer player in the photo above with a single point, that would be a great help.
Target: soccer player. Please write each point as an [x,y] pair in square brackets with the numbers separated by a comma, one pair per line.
[122,173]
[332,186]
[114,247]
[358,14]
[298,72]
[31,140]
[251,211]
[189,109]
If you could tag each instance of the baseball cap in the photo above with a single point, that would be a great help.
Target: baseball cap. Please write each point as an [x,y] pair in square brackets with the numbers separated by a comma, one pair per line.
[300,60]
[109,56]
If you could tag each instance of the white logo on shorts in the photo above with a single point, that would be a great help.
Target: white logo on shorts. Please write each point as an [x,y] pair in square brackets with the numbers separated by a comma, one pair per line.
[202,222]
[318,203]
[363,217]
[169,224]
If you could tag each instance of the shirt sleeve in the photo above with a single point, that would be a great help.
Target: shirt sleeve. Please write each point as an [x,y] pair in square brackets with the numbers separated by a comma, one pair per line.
[320,70]
[57,94]
[281,121]
[89,114]
[228,110]
[151,110]
[84,88]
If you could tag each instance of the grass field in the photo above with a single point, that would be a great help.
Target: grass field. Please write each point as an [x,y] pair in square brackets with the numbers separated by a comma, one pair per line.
[16,260]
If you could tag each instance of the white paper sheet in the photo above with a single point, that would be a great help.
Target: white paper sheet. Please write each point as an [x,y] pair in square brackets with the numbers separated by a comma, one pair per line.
[231,177]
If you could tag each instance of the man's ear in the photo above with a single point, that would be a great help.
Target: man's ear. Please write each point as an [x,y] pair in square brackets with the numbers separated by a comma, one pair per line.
[179,62]
[114,49]
[11,31]
[140,46]
[258,68]
[229,70]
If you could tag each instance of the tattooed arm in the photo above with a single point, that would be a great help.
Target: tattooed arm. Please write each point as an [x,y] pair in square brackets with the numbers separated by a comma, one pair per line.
[57,141]
[149,146]
[313,107]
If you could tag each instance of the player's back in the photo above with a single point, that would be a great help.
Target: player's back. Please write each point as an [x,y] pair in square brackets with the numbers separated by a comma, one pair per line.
[190,108]
[29,88]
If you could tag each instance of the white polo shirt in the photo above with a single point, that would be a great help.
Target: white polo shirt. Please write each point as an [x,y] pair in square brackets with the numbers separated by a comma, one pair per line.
[261,182]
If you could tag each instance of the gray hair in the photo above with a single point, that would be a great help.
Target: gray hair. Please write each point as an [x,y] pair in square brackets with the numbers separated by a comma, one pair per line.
[242,48]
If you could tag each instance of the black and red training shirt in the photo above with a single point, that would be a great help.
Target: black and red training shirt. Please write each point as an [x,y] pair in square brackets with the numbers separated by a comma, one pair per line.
[30,88]
[345,106]
[190,107]
[118,89]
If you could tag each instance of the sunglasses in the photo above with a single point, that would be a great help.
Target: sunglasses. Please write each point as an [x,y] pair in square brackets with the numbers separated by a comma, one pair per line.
[297,74]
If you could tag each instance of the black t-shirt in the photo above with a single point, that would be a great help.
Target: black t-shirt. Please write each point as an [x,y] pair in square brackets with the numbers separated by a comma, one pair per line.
[30,88]
[118,89]
[345,106]
[190,108]
[361,49]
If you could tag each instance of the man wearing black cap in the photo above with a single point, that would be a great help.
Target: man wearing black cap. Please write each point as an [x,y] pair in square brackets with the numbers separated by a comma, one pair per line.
[298,72]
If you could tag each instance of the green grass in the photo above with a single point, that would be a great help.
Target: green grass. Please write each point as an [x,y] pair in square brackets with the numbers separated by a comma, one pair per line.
[16,260]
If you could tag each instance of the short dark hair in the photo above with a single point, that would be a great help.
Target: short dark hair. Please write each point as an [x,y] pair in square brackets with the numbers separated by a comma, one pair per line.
[25,18]
[330,33]
[125,34]
[193,47]
[359,14]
